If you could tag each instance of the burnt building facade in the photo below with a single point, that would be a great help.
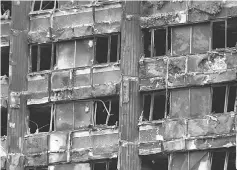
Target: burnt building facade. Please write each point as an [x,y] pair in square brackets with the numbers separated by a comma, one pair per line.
[127,85]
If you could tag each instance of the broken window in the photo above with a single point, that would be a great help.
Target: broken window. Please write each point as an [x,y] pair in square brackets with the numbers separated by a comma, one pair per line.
[44,5]
[3,121]
[106,112]
[224,33]
[43,57]
[4,61]
[152,162]
[105,165]
[157,42]
[78,115]
[6,10]
[107,49]
[41,118]
[223,98]
[195,160]
[155,106]
[223,160]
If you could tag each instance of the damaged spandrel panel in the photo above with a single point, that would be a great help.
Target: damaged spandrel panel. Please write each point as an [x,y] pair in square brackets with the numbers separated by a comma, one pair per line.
[155,106]
[106,112]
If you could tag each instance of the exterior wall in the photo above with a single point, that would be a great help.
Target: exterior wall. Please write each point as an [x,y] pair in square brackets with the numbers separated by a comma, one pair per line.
[185,129]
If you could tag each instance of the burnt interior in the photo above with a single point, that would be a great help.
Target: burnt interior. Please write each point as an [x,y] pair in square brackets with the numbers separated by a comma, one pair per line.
[39,119]
[231,98]
[114,48]
[44,5]
[106,165]
[6,7]
[218,37]
[232,32]
[112,106]
[159,106]
[218,99]
[159,42]
[5,61]
[154,162]
[102,50]
[147,42]
[3,121]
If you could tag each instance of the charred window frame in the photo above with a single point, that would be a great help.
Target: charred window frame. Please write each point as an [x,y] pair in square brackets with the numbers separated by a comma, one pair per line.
[42,57]
[40,5]
[6,9]
[106,112]
[223,160]
[41,118]
[223,98]
[105,165]
[157,42]
[224,33]
[151,109]
[107,48]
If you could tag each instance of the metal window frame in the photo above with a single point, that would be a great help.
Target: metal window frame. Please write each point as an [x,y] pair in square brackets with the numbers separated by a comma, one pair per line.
[41,2]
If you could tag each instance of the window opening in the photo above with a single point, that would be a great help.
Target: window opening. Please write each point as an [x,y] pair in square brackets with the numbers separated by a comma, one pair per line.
[40,119]
[155,106]
[223,160]
[107,112]
[151,162]
[6,10]
[223,98]
[102,49]
[224,33]
[218,99]
[232,32]
[43,57]
[157,42]
[3,121]
[106,165]
[231,98]
[147,42]
[107,49]
[44,5]
[218,34]
[5,61]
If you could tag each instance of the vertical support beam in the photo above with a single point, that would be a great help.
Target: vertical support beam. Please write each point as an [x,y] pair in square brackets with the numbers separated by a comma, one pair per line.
[18,69]
[129,110]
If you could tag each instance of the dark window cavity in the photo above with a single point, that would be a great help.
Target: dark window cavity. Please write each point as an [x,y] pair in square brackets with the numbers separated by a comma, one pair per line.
[6,10]
[3,121]
[106,112]
[44,5]
[218,37]
[232,32]
[4,61]
[43,57]
[107,49]
[40,119]
[154,162]
[105,165]
[218,99]
[155,106]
